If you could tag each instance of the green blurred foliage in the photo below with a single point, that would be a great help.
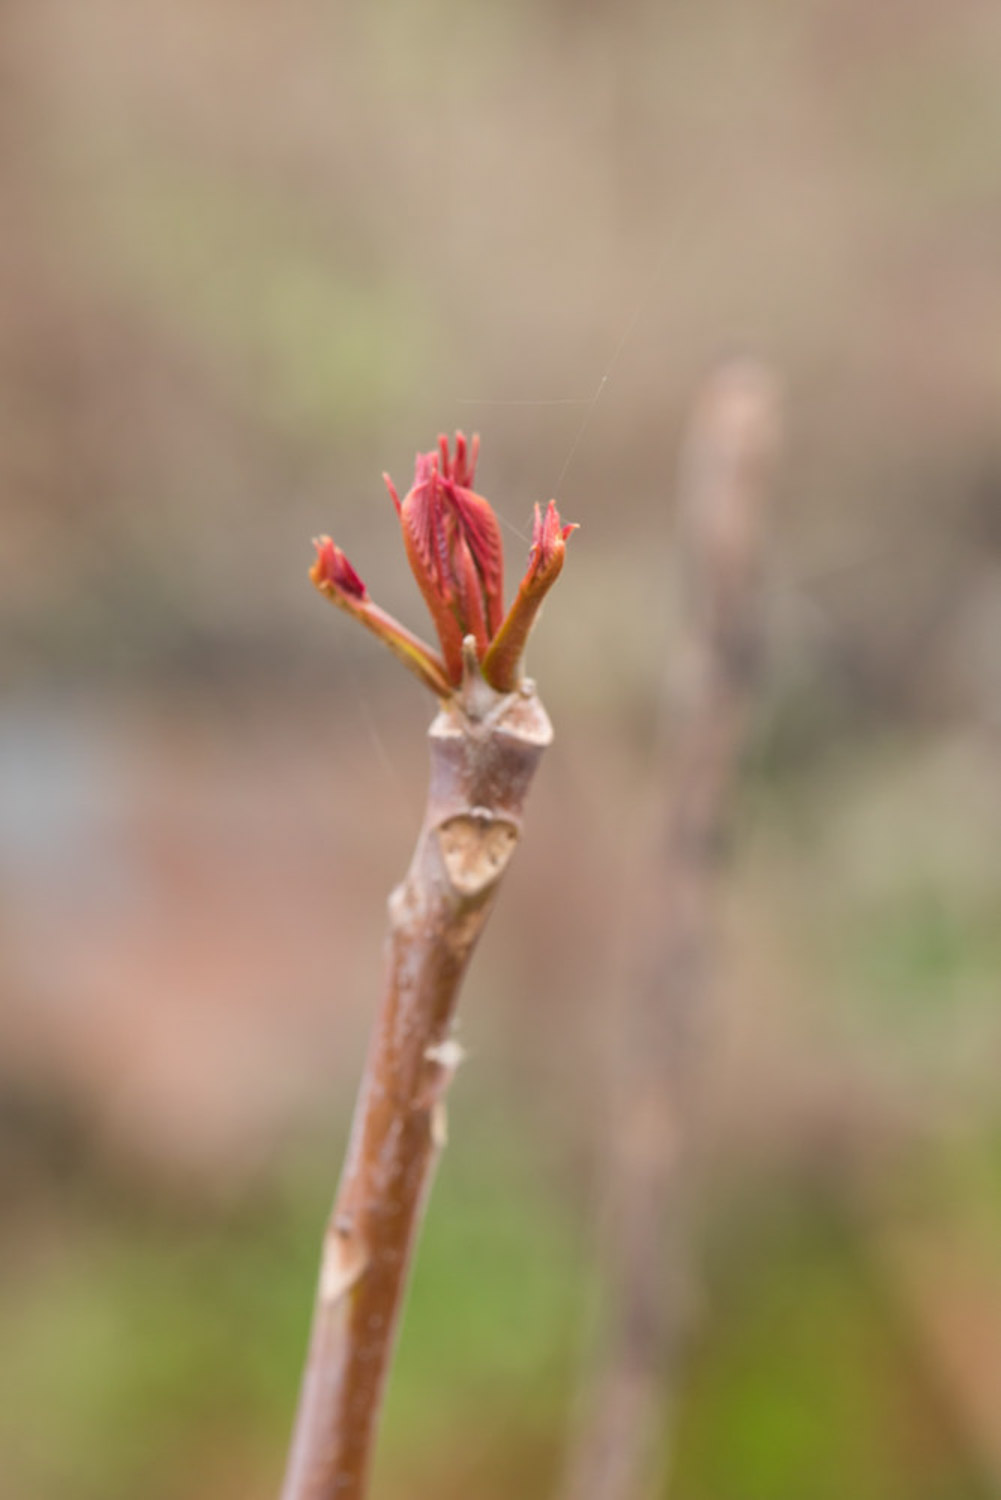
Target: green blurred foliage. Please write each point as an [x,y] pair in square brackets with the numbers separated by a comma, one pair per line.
[158,1351]
[805,1382]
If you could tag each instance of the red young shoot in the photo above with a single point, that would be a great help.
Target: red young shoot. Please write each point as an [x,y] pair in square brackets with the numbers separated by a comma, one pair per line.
[453,543]
[485,742]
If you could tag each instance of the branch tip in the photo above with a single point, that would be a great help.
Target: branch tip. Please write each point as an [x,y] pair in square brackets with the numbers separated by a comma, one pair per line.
[454,546]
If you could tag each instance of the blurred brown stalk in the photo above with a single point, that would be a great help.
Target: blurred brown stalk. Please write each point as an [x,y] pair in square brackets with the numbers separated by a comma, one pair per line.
[618,1452]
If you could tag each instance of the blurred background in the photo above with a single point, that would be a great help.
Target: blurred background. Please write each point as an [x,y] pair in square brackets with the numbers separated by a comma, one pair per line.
[251,255]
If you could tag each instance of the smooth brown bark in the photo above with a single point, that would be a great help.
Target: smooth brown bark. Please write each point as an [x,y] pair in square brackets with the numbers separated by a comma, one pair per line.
[484,750]
[618,1452]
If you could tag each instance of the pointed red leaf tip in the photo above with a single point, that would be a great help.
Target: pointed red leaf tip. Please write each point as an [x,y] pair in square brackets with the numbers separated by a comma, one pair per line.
[502,664]
[332,571]
[337,580]
[454,546]
[549,539]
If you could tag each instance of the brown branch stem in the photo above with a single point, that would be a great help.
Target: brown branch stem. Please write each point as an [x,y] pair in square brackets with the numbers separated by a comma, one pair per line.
[484,749]
[653,1061]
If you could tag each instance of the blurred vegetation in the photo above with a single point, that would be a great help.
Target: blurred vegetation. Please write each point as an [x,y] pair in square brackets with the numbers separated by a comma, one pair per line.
[254,254]
[151,1344]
